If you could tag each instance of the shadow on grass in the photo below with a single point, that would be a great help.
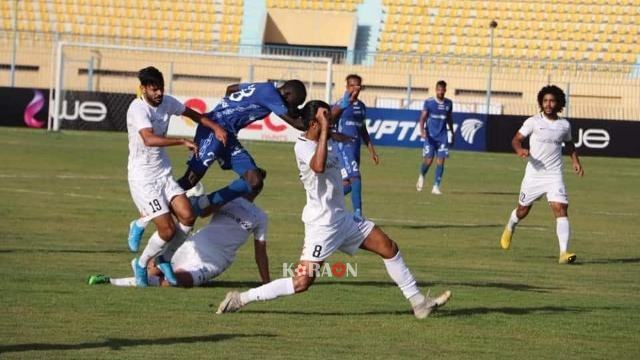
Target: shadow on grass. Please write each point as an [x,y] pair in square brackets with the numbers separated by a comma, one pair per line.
[118,344]
[69,251]
[439,313]
[610,261]
[424,285]
[439,226]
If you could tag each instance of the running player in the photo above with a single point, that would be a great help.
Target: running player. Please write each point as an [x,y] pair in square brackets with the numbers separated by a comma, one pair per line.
[543,176]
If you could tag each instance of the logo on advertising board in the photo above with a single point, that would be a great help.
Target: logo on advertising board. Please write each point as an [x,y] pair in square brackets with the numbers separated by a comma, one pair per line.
[33,108]
[395,127]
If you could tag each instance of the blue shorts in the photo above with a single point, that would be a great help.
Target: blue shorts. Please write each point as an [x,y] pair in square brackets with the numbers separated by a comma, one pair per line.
[350,158]
[437,147]
[230,157]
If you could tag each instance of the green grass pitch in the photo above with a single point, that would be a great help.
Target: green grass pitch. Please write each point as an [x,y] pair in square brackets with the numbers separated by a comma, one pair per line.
[65,207]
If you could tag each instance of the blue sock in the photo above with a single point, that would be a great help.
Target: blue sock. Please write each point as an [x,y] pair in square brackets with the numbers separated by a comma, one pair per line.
[347,188]
[424,168]
[439,172]
[237,188]
[356,194]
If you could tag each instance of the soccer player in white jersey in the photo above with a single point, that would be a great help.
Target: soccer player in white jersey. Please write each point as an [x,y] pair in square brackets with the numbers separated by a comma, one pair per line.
[152,186]
[547,132]
[210,251]
[328,225]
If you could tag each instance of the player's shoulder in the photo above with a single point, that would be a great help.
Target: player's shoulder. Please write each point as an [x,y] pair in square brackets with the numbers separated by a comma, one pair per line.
[303,144]
[138,106]
[448,101]
[430,100]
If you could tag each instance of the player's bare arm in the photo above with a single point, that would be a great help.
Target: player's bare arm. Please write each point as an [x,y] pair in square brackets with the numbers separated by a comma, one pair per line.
[319,159]
[350,96]
[366,138]
[220,133]
[153,140]
[296,122]
[516,144]
[262,260]
[421,123]
[575,160]
[450,126]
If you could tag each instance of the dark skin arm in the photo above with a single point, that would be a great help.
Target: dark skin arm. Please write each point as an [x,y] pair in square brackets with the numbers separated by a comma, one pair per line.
[364,133]
[450,125]
[220,133]
[262,260]
[575,160]
[516,144]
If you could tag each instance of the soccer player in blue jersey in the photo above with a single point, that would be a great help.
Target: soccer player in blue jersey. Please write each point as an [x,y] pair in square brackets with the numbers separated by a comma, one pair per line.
[243,104]
[434,121]
[352,113]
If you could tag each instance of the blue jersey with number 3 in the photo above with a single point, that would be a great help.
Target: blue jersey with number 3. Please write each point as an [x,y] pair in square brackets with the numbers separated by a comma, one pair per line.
[252,103]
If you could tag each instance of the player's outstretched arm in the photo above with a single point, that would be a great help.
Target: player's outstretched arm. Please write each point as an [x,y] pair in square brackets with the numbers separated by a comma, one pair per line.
[262,260]
[153,140]
[575,160]
[220,132]
[296,122]
[516,143]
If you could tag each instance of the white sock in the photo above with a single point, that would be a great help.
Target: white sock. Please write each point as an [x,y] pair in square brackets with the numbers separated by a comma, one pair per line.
[270,291]
[176,241]
[563,230]
[128,282]
[142,223]
[154,247]
[131,281]
[513,220]
[399,272]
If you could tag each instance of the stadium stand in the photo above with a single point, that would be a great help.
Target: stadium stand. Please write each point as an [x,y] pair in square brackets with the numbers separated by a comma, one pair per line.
[586,30]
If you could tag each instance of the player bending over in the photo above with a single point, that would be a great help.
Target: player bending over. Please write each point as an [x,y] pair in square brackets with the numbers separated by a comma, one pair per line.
[328,225]
[210,251]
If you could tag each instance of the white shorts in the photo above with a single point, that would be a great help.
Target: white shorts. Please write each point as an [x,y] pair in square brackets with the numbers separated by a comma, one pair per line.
[200,264]
[533,187]
[153,198]
[320,241]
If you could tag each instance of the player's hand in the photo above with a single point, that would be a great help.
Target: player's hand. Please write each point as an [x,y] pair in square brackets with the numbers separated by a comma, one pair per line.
[375,158]
[354,94]
[191,146]
[221,135]
[578,169]
[423,134]
[322,116]
[523,153]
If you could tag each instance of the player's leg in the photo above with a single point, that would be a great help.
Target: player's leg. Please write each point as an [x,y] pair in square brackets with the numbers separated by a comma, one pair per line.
[208,149]
[530,190]
[136,230]
[559,203]
[344,161]
[378,242]
[428,152]
[241,162]
[356,182]
[441,154]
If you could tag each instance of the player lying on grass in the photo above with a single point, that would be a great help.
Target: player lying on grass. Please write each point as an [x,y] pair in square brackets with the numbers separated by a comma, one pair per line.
[210,251]
[329,226]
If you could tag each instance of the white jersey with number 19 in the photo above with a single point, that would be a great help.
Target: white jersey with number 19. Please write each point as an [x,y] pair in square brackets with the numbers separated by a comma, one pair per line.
[149,162]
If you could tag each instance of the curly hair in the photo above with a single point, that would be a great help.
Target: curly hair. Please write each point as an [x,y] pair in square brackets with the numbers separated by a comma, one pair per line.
[558,94]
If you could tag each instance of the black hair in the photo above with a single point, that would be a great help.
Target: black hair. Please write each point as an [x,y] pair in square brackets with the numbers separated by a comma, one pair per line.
[354,76]
[151,76]
[441,83]
[297,89]
[558,94]
[310,109]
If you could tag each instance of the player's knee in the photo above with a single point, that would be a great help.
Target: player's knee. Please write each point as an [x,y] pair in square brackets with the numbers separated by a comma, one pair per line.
[166,230]
[255,180]
[189,179]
